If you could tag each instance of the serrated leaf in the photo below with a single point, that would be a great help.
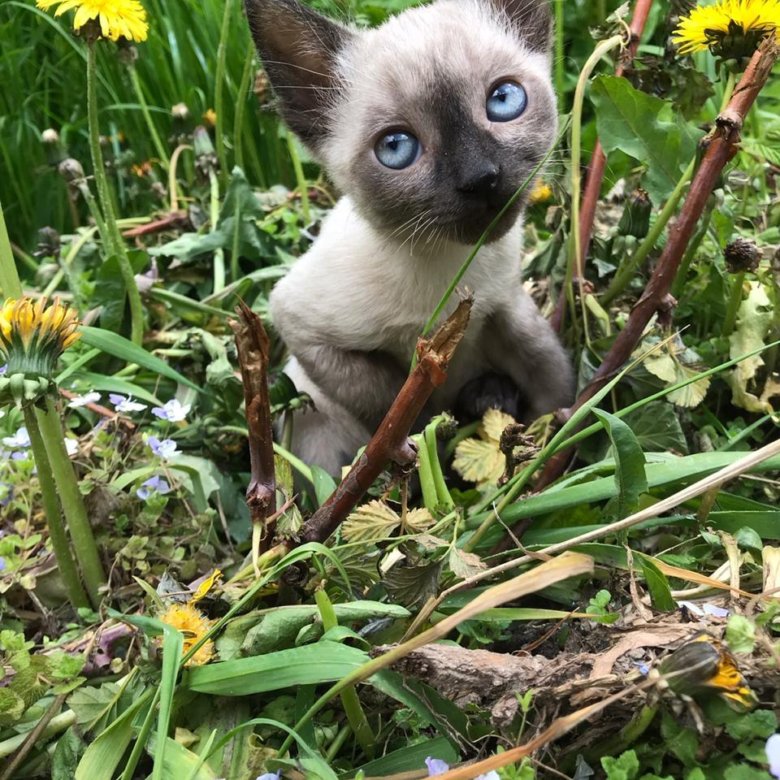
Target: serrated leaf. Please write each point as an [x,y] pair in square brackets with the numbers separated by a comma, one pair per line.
[753,322]
[479,461]
[413,585]
[371,522]
[493,424]
[418,520]
[464,564]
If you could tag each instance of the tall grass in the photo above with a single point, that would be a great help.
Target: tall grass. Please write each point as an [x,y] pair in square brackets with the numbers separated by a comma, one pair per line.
[44,85]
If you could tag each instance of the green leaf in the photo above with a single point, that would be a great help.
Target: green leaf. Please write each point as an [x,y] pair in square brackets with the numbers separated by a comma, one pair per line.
[625,767]
[102,757]
[647,129]
[761,723]
[630,462]
[66,756]
[411,757]
[308,665]
[122,348]
[657,584]
[112,384]
[324,484]
[740,634]
[182,764]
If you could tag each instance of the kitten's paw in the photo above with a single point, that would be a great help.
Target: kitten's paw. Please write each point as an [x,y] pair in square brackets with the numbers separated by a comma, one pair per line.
[406,453]
[489,391]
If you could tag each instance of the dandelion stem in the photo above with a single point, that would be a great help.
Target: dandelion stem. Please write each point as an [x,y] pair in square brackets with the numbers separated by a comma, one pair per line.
[51,506]
[156,140]
[50,426]
[735,301]
[219,253]
[116,245]
[10,284]
[219,89]
[575,265]
[241,100]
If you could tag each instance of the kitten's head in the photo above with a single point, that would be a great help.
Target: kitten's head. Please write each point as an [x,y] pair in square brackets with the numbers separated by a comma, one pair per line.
[429,122]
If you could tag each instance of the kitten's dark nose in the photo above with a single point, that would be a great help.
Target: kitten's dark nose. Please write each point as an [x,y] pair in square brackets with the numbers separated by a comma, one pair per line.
[479,179]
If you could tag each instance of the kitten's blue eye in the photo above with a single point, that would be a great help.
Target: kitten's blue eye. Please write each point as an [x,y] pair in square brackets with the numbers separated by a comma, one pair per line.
[397,150]
[506,102]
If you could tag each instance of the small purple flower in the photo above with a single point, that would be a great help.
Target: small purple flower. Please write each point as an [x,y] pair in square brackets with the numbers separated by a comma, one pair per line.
[773,755]
[271,775]
[82,400]
[125,405]
[173,411]
[20,455]
[438,767]
[3,369]
[20,439]
[2,563]
[155,484]
[162,449]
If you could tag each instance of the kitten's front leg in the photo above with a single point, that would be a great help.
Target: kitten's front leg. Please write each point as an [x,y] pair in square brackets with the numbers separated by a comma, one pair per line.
[364,383]
[520,344]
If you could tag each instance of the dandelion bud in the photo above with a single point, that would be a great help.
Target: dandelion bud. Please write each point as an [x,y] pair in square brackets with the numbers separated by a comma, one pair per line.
[126,52]
[180,111]
[33,335]
[210,117]
[48,243]
[741,255]
[50,136]
[70,170]
[635,220]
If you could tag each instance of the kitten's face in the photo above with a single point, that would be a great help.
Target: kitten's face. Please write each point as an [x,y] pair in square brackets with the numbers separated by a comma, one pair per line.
[429,122]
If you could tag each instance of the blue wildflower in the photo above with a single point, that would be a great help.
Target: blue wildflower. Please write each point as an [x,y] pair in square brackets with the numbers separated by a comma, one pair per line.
[125,405]
[162,449]
[155,484]
[438,767]
[173,411]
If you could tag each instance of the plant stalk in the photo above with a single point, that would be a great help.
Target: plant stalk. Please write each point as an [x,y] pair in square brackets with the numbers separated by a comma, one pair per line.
[116,245]
[51,506]
[72,502]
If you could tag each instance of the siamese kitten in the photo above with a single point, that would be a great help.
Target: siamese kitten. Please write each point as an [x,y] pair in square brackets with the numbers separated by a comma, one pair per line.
[427,124]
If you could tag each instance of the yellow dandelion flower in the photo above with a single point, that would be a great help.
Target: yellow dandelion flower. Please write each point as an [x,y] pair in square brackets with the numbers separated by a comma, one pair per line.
[33,335]
[541,192]
[210,117]
[729,28]
[193,625]
[117,18]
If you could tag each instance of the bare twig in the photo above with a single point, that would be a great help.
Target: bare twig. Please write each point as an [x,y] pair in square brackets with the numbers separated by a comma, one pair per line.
[253,346]
[389,443]
[721,145]
[174,219]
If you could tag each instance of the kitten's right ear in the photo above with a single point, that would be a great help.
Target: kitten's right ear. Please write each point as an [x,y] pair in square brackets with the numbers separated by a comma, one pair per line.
[299,48]
[531,19]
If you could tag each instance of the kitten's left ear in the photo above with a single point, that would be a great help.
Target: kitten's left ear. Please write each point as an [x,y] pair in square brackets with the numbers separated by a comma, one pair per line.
[531,20]
[299,49]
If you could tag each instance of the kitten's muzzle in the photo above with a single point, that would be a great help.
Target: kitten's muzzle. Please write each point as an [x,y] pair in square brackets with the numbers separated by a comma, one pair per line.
[479,180]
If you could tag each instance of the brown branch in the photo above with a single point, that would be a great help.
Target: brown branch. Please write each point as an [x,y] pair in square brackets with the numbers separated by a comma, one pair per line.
[171,220]
[253,347]
[390,442]
[721,146]
[598,163]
